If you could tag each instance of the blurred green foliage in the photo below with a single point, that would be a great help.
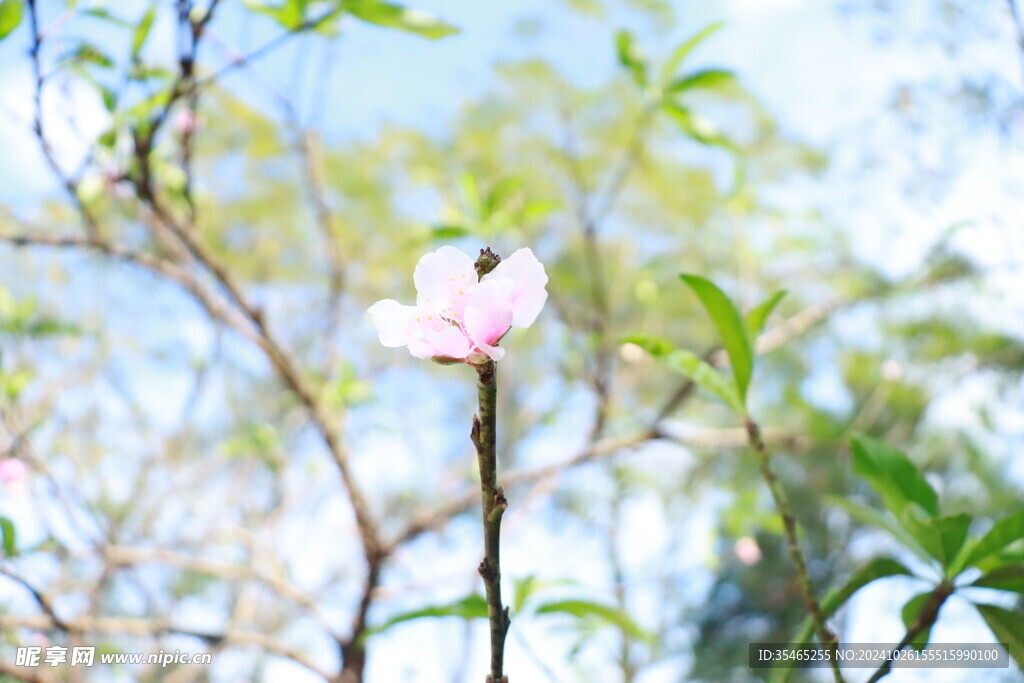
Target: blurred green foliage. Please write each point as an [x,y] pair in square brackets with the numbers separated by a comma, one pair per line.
[663,167]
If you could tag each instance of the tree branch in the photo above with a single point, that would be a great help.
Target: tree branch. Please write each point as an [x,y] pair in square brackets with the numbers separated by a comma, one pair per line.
[925,619]
[825,636]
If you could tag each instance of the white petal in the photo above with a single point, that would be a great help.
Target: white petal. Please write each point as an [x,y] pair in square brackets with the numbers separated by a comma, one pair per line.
[421,348]
[444,281]
[492,352]
[450,342]
[530,280]
[393,321]
[431,336]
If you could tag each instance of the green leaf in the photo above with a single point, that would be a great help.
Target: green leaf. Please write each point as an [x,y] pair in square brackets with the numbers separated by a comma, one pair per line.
[10,539]
[872,517]
[758,316]
[501,194]
[398,17]
[893,476]
[691,366]
[631,56]
[12,384]
[536,209]
[706,377]
[705,78]
[999,560]
[448,232]
[141,73]
[952,532]
[10,16]
[878,568]
[730,327]
[942,537]
[141,112]
[585,609]
[109,96]
[687,47]
[105,15]
[108,139]
[142,30]
[90,54]
[1008,627]
[698,127]
[1010,578]
[1003,533]
[289,14]
[470,607]
[911,611]
[524,588]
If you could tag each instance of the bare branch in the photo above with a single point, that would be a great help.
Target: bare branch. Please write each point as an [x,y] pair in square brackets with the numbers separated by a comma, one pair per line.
[127,556]
[41,599]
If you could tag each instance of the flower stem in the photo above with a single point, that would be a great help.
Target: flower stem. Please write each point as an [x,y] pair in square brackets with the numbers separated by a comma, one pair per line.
[825,636]
[493,507]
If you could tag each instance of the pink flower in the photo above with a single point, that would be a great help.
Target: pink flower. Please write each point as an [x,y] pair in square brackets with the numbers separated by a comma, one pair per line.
[747,550]
[185,122]
[455,316]
[14,474]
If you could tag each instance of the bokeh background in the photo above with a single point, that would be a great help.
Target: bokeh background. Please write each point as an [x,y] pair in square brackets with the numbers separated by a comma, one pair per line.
[189,247]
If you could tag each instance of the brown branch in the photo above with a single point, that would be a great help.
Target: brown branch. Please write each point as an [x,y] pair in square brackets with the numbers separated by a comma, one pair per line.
[44,602]
[493,506]
[307,148]
[293,378]
[825,636]
[66,180]
[925,619]
[211,303]
[124,556]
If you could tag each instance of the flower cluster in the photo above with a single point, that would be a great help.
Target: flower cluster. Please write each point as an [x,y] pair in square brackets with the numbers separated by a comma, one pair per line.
[458,317]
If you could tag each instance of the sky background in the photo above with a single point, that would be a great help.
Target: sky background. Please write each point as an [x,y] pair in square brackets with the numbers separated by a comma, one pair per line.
[821,72]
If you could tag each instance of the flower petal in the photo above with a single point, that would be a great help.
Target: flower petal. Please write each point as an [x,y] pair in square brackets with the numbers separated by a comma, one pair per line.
[492,352]
[444,280]
[489,312]
[393,321]
[450,342]
[529,293]
[13,471]
[419,328]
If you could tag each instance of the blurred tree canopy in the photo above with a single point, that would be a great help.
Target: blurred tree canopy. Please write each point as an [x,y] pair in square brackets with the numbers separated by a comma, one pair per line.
[223,458]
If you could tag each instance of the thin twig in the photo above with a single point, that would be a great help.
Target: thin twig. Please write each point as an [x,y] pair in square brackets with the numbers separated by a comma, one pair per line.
[67,181]
[493,502]
[41,599]
[925,619]
[825,636]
